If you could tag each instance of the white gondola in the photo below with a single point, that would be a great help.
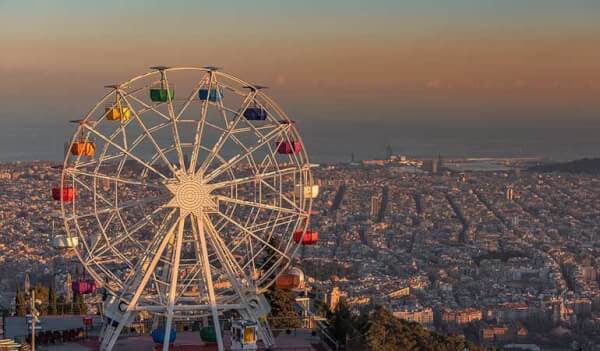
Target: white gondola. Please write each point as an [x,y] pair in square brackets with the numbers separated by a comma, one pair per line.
[307,191]
[244,335]
[64,242]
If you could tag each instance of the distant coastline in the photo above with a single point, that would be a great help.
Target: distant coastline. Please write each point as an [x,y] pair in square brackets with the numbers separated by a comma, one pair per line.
[584,165]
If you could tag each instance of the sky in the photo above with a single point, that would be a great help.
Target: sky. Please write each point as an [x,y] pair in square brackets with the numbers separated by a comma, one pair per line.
[443,62]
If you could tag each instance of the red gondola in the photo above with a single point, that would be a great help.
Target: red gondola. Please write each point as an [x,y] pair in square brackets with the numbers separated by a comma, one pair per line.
[84,286]
[66,193]
[308,237]
[289,147]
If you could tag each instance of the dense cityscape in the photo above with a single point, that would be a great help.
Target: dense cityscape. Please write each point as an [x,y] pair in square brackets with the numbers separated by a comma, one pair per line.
[499,256]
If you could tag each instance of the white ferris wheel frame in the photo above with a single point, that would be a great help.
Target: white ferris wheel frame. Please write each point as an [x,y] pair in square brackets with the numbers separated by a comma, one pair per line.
[248,278]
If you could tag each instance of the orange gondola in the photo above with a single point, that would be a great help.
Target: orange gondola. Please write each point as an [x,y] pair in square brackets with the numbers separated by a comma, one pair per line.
[83,148]
[291,279]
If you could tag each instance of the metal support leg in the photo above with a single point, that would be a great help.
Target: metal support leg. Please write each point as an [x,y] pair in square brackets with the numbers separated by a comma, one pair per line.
[209,283]
[173,286]
[112,333]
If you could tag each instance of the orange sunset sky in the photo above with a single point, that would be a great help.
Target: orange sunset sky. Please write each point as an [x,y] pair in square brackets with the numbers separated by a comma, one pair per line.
[486,61]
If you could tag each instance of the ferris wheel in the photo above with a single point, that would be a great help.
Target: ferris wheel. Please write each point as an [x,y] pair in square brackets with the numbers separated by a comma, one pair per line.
[189,192]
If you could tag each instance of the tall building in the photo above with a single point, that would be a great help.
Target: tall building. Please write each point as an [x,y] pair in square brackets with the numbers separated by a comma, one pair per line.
[375,202]
[334,298]
[431,166]
[510,193]
[27,283]
[461,316]
[68,291]
[415,313]
[388,152]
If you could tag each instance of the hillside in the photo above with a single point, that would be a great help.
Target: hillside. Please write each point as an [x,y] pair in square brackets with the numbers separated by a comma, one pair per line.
[379,330]
[385,332]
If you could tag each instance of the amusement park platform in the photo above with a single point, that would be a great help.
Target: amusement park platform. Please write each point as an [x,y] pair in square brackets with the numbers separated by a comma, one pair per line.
[297,340]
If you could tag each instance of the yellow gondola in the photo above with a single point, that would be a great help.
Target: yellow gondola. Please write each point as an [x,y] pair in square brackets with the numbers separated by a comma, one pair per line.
[116,113]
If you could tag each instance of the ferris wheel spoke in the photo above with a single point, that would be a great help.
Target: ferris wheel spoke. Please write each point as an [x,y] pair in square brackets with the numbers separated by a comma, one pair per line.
[77,171]
[249,232]
[200,223]
[231,127]
[149,259]
[120,206]
[200,125]
[255,178]
[88,188]
[191,277]
[281,195]
[272,224]
[190,98]
[255,204]
[173,120]
[233,270]
[150,137]
[121,155]
[134,229]
[101,136]
[195,235]
[147,108]
[239,130]
[233,161]
[103,228]
[176,256]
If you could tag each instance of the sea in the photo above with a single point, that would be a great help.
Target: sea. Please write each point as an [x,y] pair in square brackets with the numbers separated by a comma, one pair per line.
[331,141]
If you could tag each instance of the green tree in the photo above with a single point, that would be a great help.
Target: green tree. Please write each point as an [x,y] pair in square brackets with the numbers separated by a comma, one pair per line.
[52,309]
[384,332]
[79,306]
[270,256]
[283,309]
[63,306]
[321,308]
[20,302]
[41,293]
[341,321]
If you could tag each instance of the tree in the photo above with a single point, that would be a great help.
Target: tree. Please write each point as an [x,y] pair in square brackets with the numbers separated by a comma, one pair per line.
[20,303]
[283,308]
[41,293]
[384,332]
[342,323]
[79,306]
[321,308]
[52,298]
[63,306]
[270,256]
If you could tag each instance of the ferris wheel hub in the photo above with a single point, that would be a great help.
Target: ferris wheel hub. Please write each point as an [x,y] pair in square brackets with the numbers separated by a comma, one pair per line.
[191,194]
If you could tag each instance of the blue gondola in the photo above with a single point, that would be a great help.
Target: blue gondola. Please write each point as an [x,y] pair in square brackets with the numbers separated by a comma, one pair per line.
[255,114]
[158,336]
[215,94]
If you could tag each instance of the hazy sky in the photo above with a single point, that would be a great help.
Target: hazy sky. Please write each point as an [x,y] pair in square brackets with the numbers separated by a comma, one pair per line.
[408,60]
